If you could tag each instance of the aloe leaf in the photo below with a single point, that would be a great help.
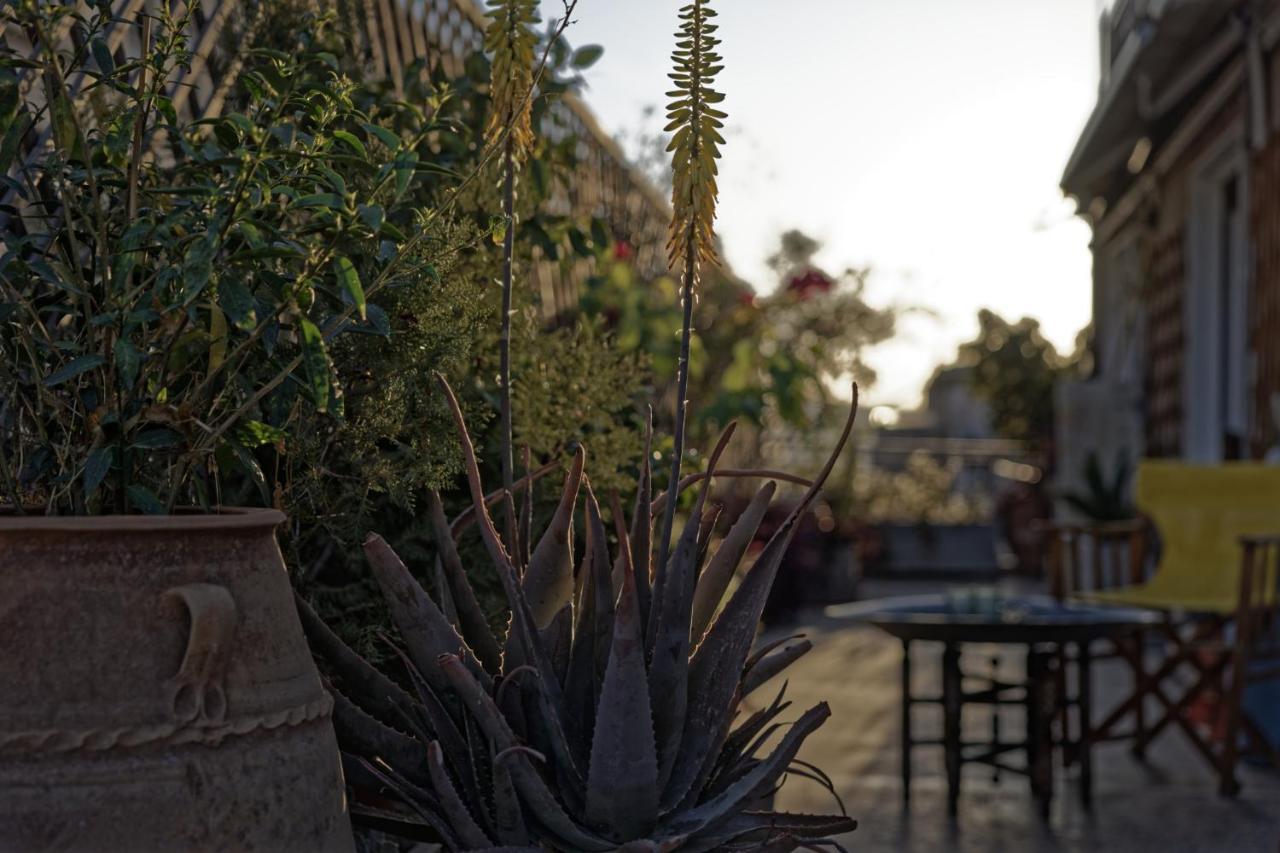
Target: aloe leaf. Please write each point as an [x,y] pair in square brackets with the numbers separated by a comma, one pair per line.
[660,500]
[419,799]
[672,604]
[715,579]
[467,516]
[622,783]
[768,825]
[521,618]
[772,664]
[508,820]
[716,667]
[441,725]
[526,511]
[466,829]
[668,666]
[471,619]
[533,790]
[728,803]
[708,527]
[371,737]
[548,582]
[427,634]
[602,585]
[592,631]
[557,639]
[737,743]
[660,594]
[642,525]
[622,560]
[379,694]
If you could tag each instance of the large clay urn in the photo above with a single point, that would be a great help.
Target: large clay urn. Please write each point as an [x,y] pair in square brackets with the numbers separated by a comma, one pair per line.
[156,692]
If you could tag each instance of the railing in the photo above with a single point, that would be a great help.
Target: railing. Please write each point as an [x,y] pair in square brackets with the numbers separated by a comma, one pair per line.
[390,35]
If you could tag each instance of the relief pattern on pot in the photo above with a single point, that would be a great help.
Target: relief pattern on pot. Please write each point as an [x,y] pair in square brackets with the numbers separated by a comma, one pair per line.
[197,693]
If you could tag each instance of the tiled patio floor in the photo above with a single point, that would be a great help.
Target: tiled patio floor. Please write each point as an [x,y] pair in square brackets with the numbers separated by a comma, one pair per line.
[1170,804]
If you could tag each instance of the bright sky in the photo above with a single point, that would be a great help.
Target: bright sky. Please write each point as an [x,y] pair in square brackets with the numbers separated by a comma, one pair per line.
[923,138]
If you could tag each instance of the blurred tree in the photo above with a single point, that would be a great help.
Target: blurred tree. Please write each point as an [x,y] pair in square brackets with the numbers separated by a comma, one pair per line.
[1014,370]
[755,358]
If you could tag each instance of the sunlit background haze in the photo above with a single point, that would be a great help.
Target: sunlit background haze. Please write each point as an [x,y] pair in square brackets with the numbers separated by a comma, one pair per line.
[922,138]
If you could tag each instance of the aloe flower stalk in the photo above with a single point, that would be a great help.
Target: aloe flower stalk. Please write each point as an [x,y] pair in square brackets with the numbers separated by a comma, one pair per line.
[512,42]
[694,123]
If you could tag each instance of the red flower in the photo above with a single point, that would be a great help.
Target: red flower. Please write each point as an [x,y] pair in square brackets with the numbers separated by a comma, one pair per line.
[806,284]
[622,250]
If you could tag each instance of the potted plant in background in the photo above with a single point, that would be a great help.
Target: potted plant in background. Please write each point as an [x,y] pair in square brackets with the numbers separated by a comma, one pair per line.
[168,290]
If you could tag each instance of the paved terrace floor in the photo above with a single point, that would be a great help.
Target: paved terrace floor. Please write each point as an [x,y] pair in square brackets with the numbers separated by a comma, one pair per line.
[1169,804]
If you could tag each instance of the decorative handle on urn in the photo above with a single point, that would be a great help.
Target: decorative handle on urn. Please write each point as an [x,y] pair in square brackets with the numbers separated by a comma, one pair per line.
[196,692]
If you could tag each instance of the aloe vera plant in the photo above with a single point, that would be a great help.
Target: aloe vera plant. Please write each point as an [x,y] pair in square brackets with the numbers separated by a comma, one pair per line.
[574,732]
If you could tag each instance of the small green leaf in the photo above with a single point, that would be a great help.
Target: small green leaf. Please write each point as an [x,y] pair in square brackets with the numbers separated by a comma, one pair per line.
[579,241]
[256,433]
[197,266]
[404,167]
[316,362]
[127,361]
[66,132]
[350,281]
[73,368]
[143,499]
[95,469]
[245,461]
[12,138]
[102,55]
[330,200]
[353,142]
[586,56]
[385,136]
[237,303]
[600,234]
[372,215]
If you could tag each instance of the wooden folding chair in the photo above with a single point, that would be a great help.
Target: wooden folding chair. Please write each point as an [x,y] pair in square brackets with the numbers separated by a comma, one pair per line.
[1084,558]
[1214,522]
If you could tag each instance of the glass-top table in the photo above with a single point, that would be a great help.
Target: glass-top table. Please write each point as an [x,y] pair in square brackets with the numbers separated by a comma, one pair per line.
[1042,625]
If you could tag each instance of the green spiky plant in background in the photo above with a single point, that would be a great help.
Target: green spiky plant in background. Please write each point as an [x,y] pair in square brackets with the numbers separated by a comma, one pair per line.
[604,719]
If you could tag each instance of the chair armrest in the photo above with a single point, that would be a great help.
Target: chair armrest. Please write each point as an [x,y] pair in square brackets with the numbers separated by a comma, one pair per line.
[1075,554]
[1130,526]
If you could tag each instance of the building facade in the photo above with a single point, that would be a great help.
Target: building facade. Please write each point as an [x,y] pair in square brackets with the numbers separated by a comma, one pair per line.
[1178,173]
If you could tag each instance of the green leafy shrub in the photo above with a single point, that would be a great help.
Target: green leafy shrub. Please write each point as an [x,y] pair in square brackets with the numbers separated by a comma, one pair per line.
[165,317]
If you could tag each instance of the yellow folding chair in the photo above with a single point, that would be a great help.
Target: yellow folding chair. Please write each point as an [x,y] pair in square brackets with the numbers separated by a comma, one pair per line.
[1214,523]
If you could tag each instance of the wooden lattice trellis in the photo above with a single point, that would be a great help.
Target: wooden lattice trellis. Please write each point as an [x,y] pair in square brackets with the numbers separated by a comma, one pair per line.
[1265,308]
[391,35]
[1162,380]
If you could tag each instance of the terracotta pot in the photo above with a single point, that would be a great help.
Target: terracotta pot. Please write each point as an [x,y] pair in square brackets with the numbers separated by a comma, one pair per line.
[156,692]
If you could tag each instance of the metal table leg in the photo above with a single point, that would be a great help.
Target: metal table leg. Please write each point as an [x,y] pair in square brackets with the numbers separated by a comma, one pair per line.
[1040,710]
[952,702]
[907,742]
[1084,701]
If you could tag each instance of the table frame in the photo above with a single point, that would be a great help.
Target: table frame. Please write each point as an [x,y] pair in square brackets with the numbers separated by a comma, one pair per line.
[1044,695]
